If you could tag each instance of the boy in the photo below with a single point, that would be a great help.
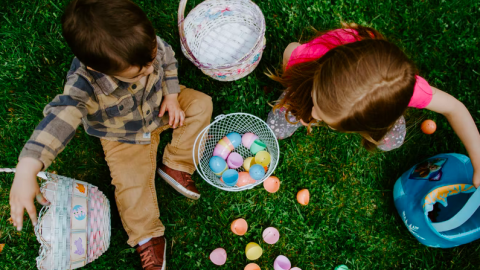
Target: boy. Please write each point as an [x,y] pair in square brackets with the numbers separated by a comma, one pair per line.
[120,85]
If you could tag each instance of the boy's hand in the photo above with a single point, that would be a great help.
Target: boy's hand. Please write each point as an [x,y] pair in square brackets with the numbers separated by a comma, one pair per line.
[175,114]
[24,190]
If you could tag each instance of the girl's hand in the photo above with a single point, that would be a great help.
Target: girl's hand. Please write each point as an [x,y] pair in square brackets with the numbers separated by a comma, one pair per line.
[24,190]
[476,178]
[175,114]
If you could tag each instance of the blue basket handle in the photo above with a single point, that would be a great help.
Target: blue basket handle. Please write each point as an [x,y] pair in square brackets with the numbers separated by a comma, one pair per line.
[462,216]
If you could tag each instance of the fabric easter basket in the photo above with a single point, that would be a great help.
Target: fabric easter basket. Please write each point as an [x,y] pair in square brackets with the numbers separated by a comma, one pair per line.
[241,123]
[74,229]
[224,38]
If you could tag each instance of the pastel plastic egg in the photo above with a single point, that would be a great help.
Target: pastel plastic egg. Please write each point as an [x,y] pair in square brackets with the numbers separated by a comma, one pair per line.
[226,142]
[263,158]
[218,256]
[257,172]
[235,138]
[230,177]
[244,179]
[253,251]
[429,127]
[252,266]
[248,138]
[248,162]
[341,267]
[217,165]
[257,146]
[221,151]
[271,184]
[271,235]
[303,197]
[282,263]
[234,160]
[295,268]
[239,226]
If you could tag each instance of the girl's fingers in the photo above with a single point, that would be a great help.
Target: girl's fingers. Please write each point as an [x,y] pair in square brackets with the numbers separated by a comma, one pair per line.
[32,212]
[41,200]
[17,218]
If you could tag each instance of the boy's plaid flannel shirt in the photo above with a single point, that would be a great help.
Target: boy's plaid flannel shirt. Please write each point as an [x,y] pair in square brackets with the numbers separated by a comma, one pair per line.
[108,108]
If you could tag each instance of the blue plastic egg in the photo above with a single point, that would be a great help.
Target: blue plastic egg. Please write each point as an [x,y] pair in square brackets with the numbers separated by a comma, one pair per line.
[230,177]
[235,138]
[218,165]
[257,172]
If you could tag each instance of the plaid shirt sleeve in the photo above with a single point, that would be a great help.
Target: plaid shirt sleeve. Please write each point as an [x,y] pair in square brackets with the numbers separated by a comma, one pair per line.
[170,84]
[62,117]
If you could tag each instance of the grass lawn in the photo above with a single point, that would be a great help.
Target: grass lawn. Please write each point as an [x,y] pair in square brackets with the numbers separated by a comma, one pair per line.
[351,218]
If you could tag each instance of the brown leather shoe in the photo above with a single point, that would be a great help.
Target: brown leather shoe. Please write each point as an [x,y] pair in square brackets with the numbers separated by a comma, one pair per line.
[180,181]
[153,254]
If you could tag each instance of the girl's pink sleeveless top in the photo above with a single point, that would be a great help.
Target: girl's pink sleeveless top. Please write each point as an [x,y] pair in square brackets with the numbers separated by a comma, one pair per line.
[422,93]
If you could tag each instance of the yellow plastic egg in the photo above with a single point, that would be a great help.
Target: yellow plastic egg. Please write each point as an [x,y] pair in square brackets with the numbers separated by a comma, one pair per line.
[248,163]
[263,158]
[303,197]
[271,184]
[239,226]
[252,266]
[253,251]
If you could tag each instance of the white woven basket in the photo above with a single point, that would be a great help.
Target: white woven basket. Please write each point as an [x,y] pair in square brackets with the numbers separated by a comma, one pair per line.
[74,229]
[224,38]
[242,123]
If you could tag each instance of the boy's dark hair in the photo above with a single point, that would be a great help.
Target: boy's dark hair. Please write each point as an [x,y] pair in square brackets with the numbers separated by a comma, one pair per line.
[109,35]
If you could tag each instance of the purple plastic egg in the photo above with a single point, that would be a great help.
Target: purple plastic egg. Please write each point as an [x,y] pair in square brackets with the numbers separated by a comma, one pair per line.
[248,138]
[282,263]
[234,160]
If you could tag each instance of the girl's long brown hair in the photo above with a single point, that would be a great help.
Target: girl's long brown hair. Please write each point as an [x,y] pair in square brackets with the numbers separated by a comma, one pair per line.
[365,86]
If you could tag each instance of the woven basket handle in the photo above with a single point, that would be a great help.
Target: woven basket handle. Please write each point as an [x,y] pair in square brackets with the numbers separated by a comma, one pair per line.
[183,39]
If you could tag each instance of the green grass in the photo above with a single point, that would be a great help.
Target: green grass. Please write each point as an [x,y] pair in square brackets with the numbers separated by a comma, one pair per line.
[351,218]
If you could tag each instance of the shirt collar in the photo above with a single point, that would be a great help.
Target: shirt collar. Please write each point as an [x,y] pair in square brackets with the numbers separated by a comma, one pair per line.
[107,83]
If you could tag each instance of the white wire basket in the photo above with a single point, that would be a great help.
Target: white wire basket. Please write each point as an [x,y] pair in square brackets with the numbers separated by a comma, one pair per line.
[74,229]
[242,123]
[224,38]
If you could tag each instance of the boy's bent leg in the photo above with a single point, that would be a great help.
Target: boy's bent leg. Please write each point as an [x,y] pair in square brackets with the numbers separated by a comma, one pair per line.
[177,159]
[132,167]
[198,112]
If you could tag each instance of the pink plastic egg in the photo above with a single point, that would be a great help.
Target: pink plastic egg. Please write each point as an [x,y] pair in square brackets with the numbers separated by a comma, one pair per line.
[244,179]
[221,151]
[303,197]
[239,226]
[218,256]
[248,138]
[271,235]
[295,268]
[234,160]
[271,184]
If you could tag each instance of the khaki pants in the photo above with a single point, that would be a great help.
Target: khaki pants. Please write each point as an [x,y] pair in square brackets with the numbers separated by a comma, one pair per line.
[133,167]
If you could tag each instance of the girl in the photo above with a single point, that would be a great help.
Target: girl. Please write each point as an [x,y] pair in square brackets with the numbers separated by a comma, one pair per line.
[354,80]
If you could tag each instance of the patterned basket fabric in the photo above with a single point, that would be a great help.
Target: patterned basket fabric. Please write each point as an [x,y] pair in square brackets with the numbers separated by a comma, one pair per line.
[224,38]
[74,229]
[224,124]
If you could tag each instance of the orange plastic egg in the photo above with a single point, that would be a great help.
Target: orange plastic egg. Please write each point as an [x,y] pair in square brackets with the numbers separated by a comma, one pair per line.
[244,179]
[252,266]
[239,226]
[429,127]
[272,184]
[303,197]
